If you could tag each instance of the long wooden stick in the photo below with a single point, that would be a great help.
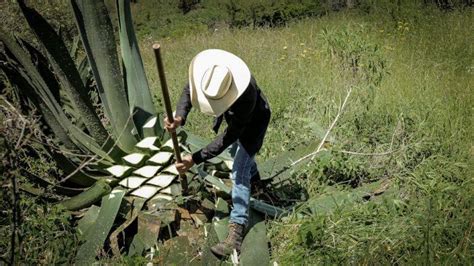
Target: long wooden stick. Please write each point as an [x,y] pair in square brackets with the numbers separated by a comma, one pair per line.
[169,112]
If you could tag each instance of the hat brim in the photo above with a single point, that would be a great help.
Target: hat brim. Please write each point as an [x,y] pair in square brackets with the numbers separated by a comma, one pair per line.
[240,80]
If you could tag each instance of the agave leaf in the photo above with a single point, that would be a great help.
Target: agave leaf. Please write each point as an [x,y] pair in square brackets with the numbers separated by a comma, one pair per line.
[66,72]
[266,208]
[221,227]
[86,222]
[221,208]
[18,81]
[216,182]
[137,205]
[84,71]
[96,236]
[329,202]
[148,230]
[87,197]
[45,99]
[139,97]
[255,246]
[78,177]
[280,164]
[98,39]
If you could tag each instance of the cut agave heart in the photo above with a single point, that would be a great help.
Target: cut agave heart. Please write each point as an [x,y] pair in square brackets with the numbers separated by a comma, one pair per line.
[161,157]
[134,158]
[147,171]
[132,181]
[162,180]
[148,143]
[145,191]
[163,197]
[119,170]
[171,169]
[174,189]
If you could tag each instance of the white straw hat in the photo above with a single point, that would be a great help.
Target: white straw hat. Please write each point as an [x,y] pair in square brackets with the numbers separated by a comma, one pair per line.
[217,79]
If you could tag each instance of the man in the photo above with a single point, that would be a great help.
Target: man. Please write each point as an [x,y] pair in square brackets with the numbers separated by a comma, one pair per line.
[221,85]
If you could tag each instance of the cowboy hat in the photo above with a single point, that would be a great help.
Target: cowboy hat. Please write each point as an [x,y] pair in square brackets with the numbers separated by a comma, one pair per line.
[217,79]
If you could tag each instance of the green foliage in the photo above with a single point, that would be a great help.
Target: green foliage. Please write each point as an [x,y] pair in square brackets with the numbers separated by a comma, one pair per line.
[44,231]
[413,127]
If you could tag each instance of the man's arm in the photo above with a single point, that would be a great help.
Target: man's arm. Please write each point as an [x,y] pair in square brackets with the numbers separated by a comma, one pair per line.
[184,105]
[242,113]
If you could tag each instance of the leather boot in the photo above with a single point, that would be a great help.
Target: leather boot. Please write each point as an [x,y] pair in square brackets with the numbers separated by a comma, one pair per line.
[233,241]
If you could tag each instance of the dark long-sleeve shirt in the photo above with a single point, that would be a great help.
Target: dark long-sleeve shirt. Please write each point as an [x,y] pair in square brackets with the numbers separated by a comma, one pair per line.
[247,121]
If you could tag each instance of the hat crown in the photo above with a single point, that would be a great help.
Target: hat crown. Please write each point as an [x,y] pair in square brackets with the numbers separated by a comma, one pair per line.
[216,82]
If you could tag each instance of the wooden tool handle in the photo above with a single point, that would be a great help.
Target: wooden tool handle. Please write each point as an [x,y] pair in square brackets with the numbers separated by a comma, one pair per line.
[169,112]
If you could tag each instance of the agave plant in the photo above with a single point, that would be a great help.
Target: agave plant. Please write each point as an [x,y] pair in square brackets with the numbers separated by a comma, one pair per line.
[124,158]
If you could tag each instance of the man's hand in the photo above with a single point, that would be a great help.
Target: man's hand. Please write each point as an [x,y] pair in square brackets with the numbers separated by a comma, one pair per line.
[171,127]
[186,163]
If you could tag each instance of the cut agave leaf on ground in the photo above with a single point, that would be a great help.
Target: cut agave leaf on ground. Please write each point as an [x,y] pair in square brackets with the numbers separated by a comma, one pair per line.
[255,246]
[96,235]
[134,158]
[137,205]
[266,208]
[221,227]
[119,170]
[214,181]
[132,181]
[162,157]
[173,189]
[221,208]
[171,169]
[147,235]
[178,251]
[162,196]
[162,180]
[279,165]
[149,143]
[340,199]
[145,192]
[147,171]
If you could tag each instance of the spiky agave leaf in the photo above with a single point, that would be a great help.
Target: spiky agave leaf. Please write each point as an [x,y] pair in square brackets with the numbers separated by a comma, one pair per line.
[97,36]
[66,71]
[139,96]
[46,101]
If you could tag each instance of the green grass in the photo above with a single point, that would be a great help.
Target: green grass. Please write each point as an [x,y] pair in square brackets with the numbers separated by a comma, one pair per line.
[422,109]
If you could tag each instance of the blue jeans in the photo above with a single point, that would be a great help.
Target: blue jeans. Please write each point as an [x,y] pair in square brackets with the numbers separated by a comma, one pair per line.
[243,169]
